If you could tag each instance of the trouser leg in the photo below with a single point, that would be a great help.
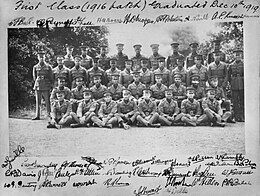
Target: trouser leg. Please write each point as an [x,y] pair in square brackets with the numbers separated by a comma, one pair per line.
[66,121]
[163,120]
[38,102]
[141,120]
[96,120]
[203,119]
[154,118]
[189,121]
[46,96]
[226,116]
[112,121]
[75,117]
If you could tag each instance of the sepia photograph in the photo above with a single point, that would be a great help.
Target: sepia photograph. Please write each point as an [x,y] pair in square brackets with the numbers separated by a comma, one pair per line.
[106,89]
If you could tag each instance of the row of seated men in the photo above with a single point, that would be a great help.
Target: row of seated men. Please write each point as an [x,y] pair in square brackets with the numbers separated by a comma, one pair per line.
[104,107]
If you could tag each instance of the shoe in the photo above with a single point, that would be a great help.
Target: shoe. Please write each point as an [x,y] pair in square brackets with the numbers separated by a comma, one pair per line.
[217,124]
[75,125]
[126,126]
[139,124]
[109,126]
[58,126]
[50,126]
[157,125]
[88,125]
[36,118]
[231,121]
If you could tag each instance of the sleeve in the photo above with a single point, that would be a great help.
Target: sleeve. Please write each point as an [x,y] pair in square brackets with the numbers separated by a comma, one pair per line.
[51,77]
[72,94]
[53,110]
[154,109]
[53,96]
[183,108]
[93,107]
[204,104]
[140,108]
[101,110]
[168,62]
[160,107]
[198,110]
[69,94]
[69,109]
[79,109]
[177,109]
[119,108]
[114,108]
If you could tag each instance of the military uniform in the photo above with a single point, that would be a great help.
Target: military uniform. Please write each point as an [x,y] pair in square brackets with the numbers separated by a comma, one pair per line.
[171,62]
[154,62]
[104,62]
[220,71]
[190,110]
[121,57]
[68,58]
[112,71]
[183,74]
[93,71]
[77,71]
[212,111]
[126,110]
[76,97]
[146,77]
[61,113]
[98,91]
[201,71]
[164,72]
[116,91]
[190,59]
[136,89]
[158,91]
[86,60]
[66,90]
[86,112]
[107,113]
[126,78]
[169,111]
[61,71]
[43,77]
[148,112]
[179,91]
[216,49]
[137,58]
[236,79]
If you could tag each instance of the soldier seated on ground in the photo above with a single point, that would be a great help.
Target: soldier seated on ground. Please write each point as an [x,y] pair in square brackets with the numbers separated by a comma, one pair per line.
[86,111]
[168,110]
[148,116]
[190,108]
[61,114]
[221,98]
[77,93]
[107,111]
[212,110]
[61,87]
[126,110]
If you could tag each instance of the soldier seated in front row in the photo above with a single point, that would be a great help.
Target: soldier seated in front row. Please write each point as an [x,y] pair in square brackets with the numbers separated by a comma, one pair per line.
[61,87]
[107,111]
[126,110]
[190,108]
[148,111]
[212,110]
[86,111]
[77,93]
[61,114]
[168,110]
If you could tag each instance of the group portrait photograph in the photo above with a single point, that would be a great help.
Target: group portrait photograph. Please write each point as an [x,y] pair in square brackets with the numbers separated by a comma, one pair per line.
[175,88]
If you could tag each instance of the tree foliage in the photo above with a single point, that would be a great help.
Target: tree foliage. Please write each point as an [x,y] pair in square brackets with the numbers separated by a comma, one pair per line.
[22,54]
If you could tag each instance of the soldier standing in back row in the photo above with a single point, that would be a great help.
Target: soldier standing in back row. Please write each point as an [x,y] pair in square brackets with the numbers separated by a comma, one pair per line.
[137,58]
[103,58]
[236,79]
[120,56]
[216,48]
[69,60]
[190,60]
[86,60]
[153,62]
[43,77]
[172,60]
[218,69]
